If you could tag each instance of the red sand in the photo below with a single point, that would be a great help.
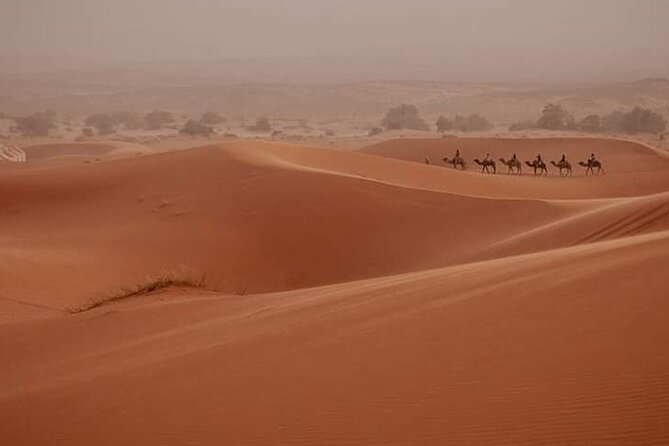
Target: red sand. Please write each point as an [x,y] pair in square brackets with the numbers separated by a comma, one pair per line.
[361,299]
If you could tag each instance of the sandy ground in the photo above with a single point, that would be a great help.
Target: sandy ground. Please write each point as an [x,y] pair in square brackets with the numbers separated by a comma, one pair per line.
[351,297]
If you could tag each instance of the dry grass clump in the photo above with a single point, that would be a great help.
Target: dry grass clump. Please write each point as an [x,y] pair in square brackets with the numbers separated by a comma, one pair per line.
[151,285]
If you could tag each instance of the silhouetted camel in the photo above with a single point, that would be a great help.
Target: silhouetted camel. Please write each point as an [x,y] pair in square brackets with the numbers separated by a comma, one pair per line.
[563,165]
[538,165]
[591,165]
[455,162]
[486,164]
[512,164]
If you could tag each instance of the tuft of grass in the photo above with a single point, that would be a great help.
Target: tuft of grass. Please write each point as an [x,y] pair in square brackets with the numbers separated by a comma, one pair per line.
[152,285]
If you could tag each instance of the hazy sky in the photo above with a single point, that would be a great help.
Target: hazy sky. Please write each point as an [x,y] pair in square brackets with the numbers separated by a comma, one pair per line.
[602,38]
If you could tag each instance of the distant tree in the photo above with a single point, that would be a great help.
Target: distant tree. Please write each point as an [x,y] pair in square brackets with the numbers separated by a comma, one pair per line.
[522,125]
[444,124]
[643,120]
[375,131]
[196,128]
[262,125]
[157,119]
[553,117]
[87,132]
[211,118]
[37,124]
[404,117]
[591,123]
[130,121]
[102,122]
[471,123]
[613,121]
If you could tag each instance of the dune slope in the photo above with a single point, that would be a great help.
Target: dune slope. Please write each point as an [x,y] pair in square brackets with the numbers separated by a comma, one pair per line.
[549,348]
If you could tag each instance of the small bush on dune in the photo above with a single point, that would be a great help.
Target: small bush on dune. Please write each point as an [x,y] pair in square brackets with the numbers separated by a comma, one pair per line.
[182,279]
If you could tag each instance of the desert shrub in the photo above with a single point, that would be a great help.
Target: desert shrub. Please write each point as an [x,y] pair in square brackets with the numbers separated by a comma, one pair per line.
[553,117]
[37,124]
[613,121]
[375,131]
[471,123]
[196,128]
[130,121]
[211,118]
[643,120]
[102,122]
[591,123]
[157,119]
[262,125]
[522,125]
[87,132]
[404,117]
[444,124]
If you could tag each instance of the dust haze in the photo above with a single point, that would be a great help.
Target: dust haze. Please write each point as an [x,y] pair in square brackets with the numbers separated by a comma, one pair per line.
[317,41]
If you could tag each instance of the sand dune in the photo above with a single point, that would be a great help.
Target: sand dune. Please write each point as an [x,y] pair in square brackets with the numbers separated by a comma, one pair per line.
[552,348]
[350,298]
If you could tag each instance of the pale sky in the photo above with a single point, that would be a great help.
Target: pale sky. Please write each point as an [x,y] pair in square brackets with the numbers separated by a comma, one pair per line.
[522,39]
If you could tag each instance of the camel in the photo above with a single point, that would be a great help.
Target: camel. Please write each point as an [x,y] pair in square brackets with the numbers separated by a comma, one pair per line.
[486,164]
[538,165]
[591,165]
[512,164]
[455,162]
[563,165]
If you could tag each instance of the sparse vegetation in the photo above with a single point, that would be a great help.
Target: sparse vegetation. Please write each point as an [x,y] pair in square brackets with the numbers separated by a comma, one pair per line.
[157,119]
[471,123]
[262,125]
[102,122]
[553,117]
[404,117]
[130,121]
[150,286]
[37,124]
[591,123]
[522,125]
[444,124]
[196,128]
[211,118]
[643,120]
[375,131]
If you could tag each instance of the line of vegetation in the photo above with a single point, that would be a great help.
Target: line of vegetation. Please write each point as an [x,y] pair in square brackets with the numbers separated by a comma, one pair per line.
[152,285]
[638,120]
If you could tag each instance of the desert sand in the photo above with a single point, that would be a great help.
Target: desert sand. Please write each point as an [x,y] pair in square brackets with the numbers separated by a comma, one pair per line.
[349,297]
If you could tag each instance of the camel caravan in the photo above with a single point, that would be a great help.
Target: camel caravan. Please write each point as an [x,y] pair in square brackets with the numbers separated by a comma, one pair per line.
[515,167]
[12,153]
